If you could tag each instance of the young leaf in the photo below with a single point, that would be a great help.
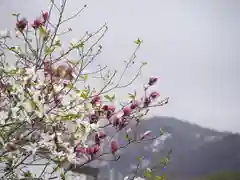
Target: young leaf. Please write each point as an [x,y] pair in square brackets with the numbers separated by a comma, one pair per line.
[148,174]
[79,45]
[49,50]
[15,14]
[43,31]
[63,177]
[161,132]
[85,77]
[109,97]
[138,41]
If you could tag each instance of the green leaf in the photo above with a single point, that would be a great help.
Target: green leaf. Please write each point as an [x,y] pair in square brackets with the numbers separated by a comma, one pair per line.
[138,158]
[84,94]
[132,96]
[49,50]
[109,97]
[27,174]
[147,174]
[57,43]
[12,48]
[79,45]
[15,14]
[85,77]
[161,132]
[63,177]
[159,177]
[43,31]
[71,116]
[70,85]
[138,41]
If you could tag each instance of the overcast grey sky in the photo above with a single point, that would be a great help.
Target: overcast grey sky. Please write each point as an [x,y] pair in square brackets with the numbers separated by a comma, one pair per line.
[192,45]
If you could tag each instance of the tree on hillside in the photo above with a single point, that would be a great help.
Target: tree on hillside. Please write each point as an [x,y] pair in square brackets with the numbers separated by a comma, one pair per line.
[52,117]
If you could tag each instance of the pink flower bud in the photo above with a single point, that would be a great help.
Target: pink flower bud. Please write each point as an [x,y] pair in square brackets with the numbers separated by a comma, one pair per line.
[21,24]
[111,108]
[134,105]
[36,23]
[108,108]
[95,100]
[105,107]
[154,95]
[127,111]
[45,16]
[152,81]
[114,147]
[146,102]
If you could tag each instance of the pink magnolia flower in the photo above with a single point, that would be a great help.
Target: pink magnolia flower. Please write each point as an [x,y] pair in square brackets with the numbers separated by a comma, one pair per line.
[37,23]
[152,81]
[154,95]
[21,24]
[108,108]
[96,100]
[114,147]
[127,111]
[91,150]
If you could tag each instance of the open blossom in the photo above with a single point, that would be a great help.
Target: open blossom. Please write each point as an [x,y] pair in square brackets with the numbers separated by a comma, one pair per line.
[114,147]
[152,81]
[21,24]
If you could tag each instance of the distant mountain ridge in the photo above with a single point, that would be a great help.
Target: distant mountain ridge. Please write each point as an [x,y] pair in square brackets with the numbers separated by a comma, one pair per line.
[197,151]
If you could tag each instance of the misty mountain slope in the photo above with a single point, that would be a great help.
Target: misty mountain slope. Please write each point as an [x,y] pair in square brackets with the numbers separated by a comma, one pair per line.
[196,152]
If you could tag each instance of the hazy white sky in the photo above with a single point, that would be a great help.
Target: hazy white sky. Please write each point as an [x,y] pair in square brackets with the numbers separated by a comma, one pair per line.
[192,45]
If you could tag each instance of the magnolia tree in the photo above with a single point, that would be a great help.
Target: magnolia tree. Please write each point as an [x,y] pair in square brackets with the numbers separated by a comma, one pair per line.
[50,112]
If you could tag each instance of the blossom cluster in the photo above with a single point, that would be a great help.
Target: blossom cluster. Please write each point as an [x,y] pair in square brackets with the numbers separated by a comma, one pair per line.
[44,112]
